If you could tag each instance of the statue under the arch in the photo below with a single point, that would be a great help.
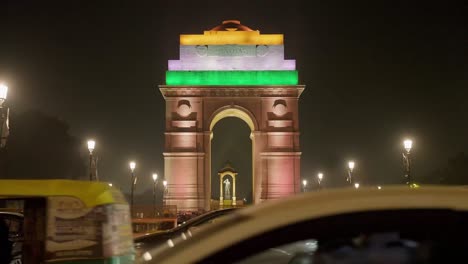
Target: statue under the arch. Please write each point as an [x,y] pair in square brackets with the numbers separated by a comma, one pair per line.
[225,198]
[227,188]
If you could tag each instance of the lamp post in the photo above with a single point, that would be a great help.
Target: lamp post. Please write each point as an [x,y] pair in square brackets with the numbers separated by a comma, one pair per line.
[3,92]
[408,144]
[91,145]
[319,180]
[304,185]
[134,179]
[165,192]
[3,115]
[155,179]
[350,172]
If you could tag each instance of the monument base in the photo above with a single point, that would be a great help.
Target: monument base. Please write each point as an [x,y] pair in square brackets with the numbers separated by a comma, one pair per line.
[215,204]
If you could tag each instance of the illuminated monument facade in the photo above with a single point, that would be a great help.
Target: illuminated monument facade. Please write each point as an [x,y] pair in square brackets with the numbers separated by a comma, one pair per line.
[231,71]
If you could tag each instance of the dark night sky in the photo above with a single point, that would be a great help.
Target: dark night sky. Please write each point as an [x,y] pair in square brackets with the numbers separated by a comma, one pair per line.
[374,74]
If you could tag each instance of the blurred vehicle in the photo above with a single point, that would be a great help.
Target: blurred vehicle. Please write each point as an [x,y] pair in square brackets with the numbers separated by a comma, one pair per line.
[66,221]
[145,242]
[367,225]
[14,222]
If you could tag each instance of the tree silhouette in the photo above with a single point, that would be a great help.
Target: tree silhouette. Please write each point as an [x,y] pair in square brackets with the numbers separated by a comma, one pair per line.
[40,147]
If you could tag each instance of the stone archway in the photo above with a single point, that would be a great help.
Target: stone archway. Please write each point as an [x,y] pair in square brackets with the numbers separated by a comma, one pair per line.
[246,116]
[200,91]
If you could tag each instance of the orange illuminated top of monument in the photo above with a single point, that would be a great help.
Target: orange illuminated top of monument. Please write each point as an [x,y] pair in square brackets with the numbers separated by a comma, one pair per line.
[232,32]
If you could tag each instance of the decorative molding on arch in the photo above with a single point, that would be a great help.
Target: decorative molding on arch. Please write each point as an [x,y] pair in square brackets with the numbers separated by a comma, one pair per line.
[234,111]
[183,154]
[271,154]
[283,91]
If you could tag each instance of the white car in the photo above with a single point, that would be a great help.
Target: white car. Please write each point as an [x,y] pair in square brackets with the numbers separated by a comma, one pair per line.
[394,224]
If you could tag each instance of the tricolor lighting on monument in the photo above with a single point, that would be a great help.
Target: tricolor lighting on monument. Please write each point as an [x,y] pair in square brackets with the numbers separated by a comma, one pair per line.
[231,54]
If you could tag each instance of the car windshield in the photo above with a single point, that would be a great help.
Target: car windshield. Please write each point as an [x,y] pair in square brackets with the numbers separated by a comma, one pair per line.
[378,247]
[395,236]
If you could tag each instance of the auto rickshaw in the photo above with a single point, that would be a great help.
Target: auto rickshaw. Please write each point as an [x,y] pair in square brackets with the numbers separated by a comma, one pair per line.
[68,221]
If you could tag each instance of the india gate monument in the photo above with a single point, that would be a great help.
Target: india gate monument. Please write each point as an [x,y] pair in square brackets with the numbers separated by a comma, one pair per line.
[231,70]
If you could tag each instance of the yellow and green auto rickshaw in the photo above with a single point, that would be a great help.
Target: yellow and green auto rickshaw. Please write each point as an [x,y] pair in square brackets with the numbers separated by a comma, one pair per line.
[67,221]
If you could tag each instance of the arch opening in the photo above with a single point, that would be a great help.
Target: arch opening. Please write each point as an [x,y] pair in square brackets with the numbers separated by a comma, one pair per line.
[232,142]
[234,112]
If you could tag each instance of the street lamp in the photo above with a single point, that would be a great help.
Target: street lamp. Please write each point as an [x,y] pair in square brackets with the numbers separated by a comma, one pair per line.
[91,145]
[408,144]
[155,179]
[134,179]
[3,92]
[304,185]
[319,179]
[165,192]
[351,165]
[3,115]
[356,185]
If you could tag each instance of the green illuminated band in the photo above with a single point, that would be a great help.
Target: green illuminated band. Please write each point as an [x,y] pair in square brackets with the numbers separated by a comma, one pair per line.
[231,78]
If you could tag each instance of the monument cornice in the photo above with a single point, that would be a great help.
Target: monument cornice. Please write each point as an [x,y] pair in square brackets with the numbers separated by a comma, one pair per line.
[231,91]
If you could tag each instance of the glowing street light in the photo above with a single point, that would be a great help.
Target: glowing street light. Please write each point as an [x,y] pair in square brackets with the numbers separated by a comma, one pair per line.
[4,112]
[110,184]
[165,192]
[379,187]
[3,92]
[319,179]
[350,178]
[155,179]
[91,146]
[132,165]
[356,185]
[304,185]
[407,144]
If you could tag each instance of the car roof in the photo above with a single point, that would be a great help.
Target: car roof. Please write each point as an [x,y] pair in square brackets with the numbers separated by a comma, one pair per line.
[11,213]
[188,223]
[305,206]
[209,214]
